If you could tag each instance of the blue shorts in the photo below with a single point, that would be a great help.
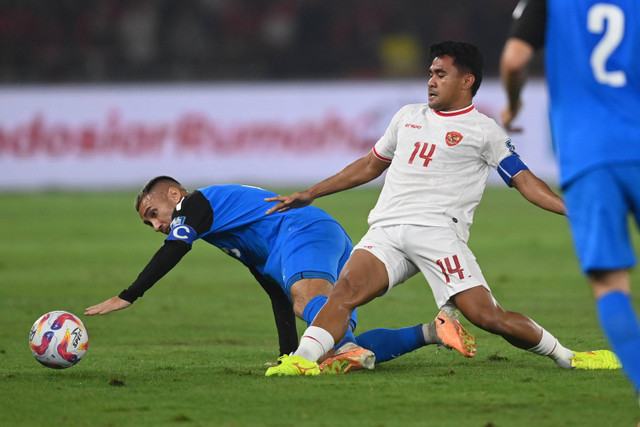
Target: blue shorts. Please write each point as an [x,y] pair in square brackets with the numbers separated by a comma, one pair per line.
[599,203]
[317,250]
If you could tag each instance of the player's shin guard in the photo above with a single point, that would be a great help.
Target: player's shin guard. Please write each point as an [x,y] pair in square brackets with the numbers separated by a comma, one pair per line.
[621,327]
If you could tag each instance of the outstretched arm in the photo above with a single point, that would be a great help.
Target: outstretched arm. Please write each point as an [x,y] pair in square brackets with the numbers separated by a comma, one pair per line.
[162,262]
[361,171]
[538,192]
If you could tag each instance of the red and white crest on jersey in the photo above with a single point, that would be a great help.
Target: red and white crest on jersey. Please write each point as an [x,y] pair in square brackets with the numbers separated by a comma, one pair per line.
[453,138]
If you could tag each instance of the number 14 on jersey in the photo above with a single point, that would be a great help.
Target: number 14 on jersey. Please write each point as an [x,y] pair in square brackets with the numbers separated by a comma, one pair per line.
[426,152]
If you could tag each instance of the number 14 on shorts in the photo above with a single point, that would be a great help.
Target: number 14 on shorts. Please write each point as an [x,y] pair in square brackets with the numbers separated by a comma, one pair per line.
[451,265]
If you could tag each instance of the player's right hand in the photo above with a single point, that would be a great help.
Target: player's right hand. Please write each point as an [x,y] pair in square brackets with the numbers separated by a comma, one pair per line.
[293,201]
[508,115]
[112,304]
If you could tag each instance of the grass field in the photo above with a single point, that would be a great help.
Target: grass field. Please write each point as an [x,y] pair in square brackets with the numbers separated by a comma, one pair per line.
[192,351]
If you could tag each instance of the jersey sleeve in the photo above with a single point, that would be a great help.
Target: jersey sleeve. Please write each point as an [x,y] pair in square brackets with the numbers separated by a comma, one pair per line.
[385,148]
[192,218]
[501,154]
[161,263]
[529,22]
[511,166]
[497,143]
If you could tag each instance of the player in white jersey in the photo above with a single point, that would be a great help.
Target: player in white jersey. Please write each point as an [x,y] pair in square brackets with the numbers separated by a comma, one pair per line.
[437,186]
[438,157]
[442,175]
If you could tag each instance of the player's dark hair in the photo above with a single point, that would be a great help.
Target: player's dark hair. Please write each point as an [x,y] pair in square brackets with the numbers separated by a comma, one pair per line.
[465,56]
[150,185]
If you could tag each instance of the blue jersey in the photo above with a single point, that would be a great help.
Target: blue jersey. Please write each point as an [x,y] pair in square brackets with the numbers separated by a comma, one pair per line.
[279,246]
[592,52]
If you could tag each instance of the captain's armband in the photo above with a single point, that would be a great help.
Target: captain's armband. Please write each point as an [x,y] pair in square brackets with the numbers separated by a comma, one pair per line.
[510,167]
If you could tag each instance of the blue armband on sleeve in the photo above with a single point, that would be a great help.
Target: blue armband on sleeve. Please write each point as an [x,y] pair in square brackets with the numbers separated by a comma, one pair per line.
[510,167]
[182,232]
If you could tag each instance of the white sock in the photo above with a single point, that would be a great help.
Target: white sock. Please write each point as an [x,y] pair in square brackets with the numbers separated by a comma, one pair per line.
[430,332]
[315,342]
[550,346]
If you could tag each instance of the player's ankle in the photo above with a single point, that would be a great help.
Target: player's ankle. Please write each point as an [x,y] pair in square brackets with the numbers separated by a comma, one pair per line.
[430,332]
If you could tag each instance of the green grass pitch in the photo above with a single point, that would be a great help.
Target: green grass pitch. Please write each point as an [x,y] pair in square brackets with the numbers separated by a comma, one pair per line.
[192,350]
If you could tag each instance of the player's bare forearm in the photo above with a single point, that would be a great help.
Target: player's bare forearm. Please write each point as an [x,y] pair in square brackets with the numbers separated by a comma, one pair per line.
[516,55]
[112,304]
[538,192]
[357,173]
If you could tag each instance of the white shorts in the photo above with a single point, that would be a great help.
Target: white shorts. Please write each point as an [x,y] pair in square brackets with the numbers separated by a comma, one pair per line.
[443,258]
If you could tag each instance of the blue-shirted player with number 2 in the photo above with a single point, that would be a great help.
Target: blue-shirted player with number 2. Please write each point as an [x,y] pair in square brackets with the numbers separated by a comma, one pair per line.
[592,60]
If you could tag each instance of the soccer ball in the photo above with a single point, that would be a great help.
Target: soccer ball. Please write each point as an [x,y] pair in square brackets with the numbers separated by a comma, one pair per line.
[58,339]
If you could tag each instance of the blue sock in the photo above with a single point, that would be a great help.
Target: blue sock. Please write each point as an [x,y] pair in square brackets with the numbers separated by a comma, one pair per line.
[388,344]
[621,327]
[312,309]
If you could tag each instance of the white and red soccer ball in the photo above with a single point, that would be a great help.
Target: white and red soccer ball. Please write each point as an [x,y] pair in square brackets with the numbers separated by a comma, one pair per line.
[58,339]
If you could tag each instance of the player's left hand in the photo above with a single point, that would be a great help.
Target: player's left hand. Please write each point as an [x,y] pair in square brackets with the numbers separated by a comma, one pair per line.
[112,304]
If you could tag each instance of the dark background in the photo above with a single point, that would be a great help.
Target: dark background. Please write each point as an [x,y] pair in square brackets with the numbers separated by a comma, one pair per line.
[104,41]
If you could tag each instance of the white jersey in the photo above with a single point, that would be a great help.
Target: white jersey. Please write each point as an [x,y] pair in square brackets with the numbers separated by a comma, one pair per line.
[439,166]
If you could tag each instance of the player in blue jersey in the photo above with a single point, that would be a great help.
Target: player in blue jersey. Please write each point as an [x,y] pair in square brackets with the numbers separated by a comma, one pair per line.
[592,61]
[296,257]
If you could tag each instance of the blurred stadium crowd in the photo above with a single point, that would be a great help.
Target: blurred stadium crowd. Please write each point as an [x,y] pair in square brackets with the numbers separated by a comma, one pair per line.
[44,41]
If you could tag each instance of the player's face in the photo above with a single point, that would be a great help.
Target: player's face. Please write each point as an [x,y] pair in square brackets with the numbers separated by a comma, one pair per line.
[447,85]
[155,211]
